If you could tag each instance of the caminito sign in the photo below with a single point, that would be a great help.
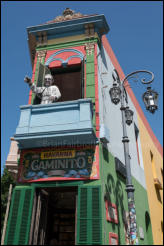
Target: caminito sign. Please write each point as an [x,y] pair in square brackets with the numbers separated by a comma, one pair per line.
[52,164]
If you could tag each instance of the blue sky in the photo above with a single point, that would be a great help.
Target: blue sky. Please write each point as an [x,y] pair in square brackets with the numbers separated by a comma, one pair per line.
[136,37]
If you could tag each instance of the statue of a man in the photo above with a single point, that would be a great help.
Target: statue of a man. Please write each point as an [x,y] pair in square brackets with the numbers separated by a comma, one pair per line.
[48,93]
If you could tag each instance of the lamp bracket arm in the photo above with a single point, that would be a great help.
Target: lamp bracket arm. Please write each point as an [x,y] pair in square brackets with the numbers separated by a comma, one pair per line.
[143,80]
[116,76]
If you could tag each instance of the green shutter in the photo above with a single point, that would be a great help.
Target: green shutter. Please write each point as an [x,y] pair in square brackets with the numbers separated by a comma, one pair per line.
[39,80]
[96,216]
[11,228]
[89,216]
[82,216]
[47,70]
[42,70]
[19,221]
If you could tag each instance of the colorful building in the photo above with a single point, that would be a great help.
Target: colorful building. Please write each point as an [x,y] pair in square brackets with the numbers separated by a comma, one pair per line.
[71,173]
[150,157]
[153,165]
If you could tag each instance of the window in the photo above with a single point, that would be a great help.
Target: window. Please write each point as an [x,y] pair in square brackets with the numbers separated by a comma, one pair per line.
[157,183]
[69,80]
[153,165]
[111,212]
[162,173]
[162,226]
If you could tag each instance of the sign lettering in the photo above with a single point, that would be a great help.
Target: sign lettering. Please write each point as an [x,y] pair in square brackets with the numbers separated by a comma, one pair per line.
[57,163]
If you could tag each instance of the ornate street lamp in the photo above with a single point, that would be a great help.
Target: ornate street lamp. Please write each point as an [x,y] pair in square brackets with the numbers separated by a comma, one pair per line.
[128,116]
[118,94]
[115,93]
[150,99]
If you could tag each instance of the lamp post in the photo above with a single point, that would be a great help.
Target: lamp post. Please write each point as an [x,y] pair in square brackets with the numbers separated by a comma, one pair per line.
[118,94]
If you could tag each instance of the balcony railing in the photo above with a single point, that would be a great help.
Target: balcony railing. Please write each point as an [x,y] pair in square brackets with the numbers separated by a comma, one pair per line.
[56,124]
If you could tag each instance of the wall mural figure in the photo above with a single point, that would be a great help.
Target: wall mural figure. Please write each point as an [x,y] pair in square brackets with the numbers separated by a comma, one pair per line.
[48,93]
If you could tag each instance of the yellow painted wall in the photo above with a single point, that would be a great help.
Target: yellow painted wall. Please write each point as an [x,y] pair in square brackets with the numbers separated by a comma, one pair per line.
[155,205]
[66,39]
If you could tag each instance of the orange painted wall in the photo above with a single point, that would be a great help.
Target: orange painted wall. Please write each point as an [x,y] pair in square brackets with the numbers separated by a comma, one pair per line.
[155,198]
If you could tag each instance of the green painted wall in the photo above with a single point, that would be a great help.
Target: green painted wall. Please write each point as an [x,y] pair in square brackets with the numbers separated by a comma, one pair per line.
[90,81]
[113,187]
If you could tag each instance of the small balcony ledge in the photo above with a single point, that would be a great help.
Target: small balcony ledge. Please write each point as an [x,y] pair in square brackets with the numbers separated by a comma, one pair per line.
[56,124]
[158,184]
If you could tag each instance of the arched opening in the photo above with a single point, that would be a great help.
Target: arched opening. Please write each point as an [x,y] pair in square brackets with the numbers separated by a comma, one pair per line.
[67,68]
[68,77]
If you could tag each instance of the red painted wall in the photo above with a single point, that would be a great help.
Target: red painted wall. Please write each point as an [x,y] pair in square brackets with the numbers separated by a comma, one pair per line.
[64,56]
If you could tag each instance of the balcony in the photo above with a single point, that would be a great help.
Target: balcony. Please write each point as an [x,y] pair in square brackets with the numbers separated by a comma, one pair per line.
[56,124]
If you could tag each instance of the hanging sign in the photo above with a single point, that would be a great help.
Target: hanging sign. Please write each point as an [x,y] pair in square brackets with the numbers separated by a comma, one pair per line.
[58,164]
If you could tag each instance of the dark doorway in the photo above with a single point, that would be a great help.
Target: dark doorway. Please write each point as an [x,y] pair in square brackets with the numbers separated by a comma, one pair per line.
[70,82]
[55,217]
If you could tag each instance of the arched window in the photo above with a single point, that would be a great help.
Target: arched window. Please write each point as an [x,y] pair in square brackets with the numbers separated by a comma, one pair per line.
[67,68]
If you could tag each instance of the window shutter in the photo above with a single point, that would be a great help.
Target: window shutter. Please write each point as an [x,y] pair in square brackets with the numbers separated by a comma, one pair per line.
[96,216]
[12,220]
[40,76]
[89,216]
[19,217]
[82,225]
[47,70]
[42,70]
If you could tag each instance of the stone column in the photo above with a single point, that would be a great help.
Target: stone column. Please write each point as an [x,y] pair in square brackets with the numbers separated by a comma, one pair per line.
[12,158]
